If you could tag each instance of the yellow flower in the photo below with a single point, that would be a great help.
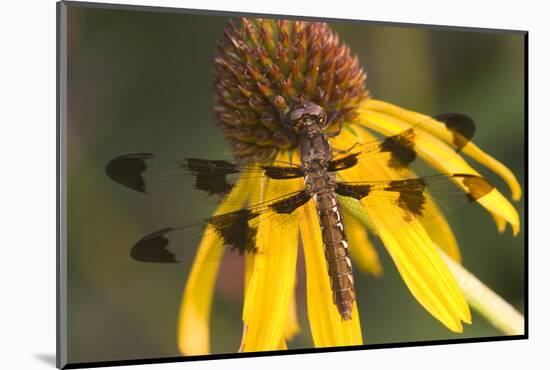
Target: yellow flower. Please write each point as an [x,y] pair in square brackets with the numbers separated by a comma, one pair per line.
[249,79]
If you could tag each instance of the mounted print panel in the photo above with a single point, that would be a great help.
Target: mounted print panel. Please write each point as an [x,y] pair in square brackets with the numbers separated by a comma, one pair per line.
[239,184]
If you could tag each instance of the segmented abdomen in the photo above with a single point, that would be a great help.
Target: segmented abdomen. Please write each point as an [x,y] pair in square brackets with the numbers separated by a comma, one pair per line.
[336,249]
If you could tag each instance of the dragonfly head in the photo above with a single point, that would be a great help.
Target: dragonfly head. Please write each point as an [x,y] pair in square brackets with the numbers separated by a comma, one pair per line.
[307,118]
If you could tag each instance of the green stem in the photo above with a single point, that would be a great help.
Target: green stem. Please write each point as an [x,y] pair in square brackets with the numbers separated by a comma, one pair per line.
[481,298]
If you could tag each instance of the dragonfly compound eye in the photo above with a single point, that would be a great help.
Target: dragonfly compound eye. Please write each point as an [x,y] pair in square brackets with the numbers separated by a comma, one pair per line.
[306,115]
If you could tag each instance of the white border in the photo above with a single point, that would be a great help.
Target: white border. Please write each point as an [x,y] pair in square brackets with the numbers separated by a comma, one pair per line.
[27,121]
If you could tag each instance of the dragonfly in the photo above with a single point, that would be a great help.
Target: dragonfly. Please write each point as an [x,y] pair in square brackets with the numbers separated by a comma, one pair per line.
[319,166]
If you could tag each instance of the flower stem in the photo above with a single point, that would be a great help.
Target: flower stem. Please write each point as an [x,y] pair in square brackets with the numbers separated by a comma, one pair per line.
[496,310]
[490,305]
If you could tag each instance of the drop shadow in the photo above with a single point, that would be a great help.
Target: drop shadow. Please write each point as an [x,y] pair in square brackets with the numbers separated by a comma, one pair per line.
[47,358]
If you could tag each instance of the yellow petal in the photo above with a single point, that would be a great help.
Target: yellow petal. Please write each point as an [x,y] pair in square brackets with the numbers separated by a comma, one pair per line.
[440,232]
[411,249]
[292,327]
[500,222]
[497,167]
[269,291]
[193,333]
[256,197]
[248,270]
[362,251]
[194,316]
[439,131]
[327,327]
[442,157]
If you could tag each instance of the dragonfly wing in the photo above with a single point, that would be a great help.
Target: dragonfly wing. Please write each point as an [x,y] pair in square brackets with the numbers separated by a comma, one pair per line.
[159,174]
[408,198]
[235,230]
[400,151]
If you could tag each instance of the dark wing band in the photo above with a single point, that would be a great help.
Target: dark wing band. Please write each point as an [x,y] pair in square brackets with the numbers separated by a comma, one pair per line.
[400,151]
[411,195]
[150,173]
[236,229]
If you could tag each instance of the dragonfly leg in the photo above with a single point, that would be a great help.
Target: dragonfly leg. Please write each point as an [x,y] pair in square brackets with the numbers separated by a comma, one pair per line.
[345,151]
[334,116]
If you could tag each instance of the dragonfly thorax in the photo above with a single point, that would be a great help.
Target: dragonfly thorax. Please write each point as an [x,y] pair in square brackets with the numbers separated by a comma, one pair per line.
[315,152]
[319,182]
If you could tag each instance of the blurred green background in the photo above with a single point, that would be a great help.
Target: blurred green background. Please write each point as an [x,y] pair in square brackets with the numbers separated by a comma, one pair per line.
[141,81]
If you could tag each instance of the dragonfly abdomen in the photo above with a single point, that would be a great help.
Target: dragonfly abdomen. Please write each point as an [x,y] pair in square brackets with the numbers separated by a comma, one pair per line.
[336,249]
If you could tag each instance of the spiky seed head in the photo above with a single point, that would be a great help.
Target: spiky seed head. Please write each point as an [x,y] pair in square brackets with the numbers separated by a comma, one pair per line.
[263,68]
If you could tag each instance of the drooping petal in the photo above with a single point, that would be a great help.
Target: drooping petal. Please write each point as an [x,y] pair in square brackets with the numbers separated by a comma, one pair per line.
[442,157]
[248,270]
[410,247]
[194,316]
[292,326]
[497,167]
[440,232]
[272,280]
[439,131]
[256,197]
[327,327]
[362,251]
[500,222]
